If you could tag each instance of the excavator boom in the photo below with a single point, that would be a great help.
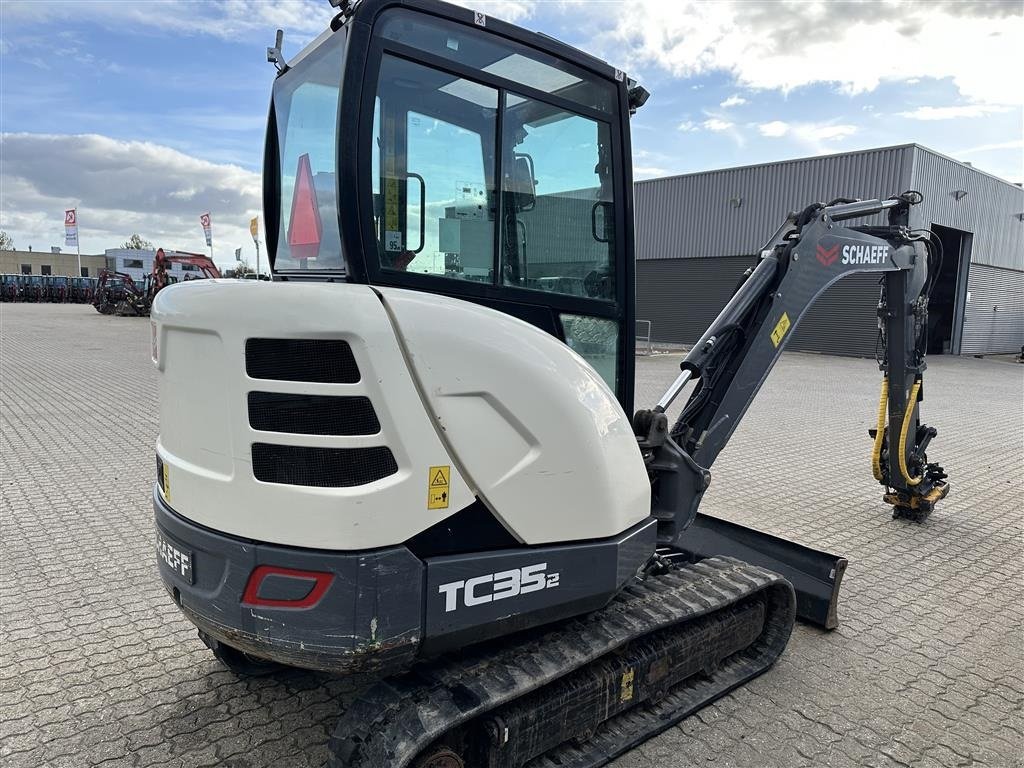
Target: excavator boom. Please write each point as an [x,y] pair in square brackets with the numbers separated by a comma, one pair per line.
[810,251]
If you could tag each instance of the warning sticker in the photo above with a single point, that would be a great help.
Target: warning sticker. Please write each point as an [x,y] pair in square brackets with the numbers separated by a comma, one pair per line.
[438,481]
[626,687]
[393,240]
[780,329]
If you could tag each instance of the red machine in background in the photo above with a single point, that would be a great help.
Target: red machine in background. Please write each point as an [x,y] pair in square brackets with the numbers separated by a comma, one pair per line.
[138,305]
[160,278]
[112,290]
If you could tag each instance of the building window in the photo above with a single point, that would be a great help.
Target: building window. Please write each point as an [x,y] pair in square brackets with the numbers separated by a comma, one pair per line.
[26,269]
[133,263]
[188,267]
[44,269]
[85,271]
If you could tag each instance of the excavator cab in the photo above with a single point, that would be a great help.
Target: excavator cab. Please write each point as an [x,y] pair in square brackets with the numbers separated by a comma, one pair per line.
[429,147]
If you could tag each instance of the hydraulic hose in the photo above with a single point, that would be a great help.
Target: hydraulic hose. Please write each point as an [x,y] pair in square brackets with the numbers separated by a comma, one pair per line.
[907,415]
[876,451]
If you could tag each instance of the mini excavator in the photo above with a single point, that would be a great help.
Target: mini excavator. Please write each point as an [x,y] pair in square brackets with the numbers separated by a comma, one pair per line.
[408,456]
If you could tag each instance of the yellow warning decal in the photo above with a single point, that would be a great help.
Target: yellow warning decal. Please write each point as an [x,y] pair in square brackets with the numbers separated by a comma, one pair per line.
[626,687]
[780,329]
[165,481]
[438,482]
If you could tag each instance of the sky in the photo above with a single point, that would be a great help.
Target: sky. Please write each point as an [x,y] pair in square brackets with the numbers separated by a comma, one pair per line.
[144,115]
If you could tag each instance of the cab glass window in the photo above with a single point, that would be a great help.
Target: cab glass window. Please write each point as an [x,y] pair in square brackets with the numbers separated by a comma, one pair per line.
[596,340]
[557,203]
[306,105]
[501,58]
[433,172]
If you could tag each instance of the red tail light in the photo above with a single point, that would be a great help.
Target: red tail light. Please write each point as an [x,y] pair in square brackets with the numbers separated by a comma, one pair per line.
[317,580]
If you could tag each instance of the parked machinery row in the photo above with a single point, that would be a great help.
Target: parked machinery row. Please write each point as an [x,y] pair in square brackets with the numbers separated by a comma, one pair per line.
[53,289]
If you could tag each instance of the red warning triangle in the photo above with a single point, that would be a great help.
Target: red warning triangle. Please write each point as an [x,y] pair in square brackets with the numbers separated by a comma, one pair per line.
[304,228]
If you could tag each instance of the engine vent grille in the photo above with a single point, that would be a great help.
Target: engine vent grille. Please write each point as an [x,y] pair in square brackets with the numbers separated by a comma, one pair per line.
[323,361]
[321,467]
[312,414]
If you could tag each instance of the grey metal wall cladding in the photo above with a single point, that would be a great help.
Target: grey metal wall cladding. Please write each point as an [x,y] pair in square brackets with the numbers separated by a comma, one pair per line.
[990,208]
[682,296]
[692,216]
[559,230]
[844,321]
[994,317]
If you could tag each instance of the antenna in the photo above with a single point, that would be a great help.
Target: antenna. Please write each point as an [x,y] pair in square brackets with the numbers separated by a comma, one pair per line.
[274,55]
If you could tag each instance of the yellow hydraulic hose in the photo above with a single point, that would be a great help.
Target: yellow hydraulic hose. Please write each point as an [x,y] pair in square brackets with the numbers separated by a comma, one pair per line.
[876,452]
[911,402]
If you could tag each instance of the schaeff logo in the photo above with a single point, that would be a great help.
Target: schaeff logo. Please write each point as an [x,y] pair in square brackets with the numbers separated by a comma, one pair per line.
[853,254]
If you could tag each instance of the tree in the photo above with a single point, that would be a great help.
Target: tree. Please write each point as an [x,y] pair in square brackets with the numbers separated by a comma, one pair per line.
[137,243]
[243,268]
[6,241]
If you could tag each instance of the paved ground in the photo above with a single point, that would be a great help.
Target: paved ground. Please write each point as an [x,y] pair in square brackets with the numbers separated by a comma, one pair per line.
[926,670]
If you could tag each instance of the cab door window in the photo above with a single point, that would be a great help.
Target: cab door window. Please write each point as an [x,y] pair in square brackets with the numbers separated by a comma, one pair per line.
[433,172]
[557,204]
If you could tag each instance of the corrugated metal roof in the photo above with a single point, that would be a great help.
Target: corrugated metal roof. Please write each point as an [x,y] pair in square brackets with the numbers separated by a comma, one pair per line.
[989,210]
[696,215]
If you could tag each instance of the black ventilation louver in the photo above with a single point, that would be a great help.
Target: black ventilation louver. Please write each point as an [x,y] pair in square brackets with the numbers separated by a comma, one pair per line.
[321,361]
[312,414]
[321,467]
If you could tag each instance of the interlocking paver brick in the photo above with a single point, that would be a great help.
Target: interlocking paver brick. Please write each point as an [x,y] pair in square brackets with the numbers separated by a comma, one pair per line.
[99,668]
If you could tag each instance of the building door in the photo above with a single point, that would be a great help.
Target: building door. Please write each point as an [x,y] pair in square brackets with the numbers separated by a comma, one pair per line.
[946,305]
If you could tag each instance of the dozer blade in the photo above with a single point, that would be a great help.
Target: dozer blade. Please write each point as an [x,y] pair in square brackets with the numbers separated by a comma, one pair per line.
[815,575]
[585,691]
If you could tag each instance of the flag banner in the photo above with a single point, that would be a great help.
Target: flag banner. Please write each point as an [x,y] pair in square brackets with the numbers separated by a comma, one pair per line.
[254,228]
[71,227]
[238,254]
[204,219]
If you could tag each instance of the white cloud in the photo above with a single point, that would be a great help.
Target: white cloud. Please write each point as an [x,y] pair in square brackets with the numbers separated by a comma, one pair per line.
[772,44]
[648,172]
[716,124]
[302,20]
[818,132]
[774,129]
[509,10]
[813,136]
[121,187]
[687,125]
[951,113]
[227,19]
[733,101]
[1015,144]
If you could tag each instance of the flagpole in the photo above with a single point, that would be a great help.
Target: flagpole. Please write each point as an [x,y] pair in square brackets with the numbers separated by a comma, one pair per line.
[78,245]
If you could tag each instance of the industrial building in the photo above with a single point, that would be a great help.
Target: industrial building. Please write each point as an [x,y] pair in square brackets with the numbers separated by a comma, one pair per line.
[139,262]
[52,262]
[697,233]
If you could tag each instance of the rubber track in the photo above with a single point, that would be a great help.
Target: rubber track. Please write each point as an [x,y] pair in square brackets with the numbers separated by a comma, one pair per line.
[398,718]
